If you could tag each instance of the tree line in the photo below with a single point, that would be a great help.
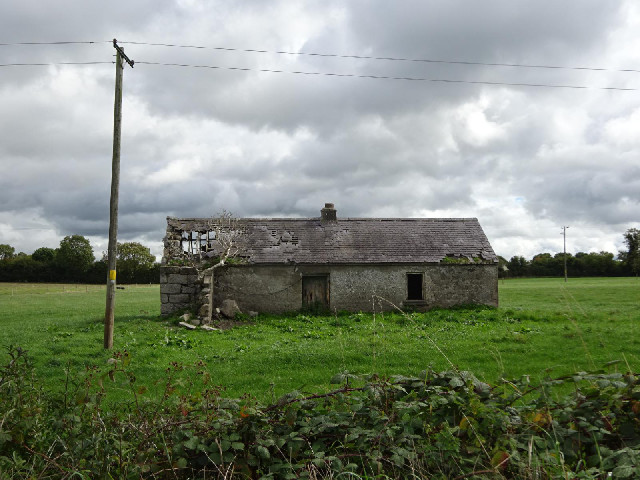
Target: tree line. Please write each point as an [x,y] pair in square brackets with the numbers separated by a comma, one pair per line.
[593,264]
[74,262]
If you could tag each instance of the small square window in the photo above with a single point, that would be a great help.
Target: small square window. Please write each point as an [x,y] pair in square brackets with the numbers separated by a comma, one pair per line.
[414,286]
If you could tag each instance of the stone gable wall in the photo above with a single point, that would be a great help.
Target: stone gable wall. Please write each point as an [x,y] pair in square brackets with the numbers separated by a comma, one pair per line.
[179,289]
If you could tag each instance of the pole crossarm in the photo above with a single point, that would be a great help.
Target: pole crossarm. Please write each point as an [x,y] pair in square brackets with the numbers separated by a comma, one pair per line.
[122,54]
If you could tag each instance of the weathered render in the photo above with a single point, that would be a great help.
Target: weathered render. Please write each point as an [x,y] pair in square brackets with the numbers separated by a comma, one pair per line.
[329,263]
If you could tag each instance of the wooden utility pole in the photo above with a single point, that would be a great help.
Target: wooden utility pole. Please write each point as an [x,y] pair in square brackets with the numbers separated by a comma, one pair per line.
[113,203]
[564,234]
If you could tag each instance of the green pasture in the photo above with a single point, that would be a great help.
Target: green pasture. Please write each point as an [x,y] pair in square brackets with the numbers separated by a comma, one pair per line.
[543,326]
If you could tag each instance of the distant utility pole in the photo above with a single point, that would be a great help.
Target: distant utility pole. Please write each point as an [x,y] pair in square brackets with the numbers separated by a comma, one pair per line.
[564,234]
[113,203]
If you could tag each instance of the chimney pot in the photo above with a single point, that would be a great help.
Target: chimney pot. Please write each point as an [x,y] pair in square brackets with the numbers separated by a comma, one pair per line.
[328,213]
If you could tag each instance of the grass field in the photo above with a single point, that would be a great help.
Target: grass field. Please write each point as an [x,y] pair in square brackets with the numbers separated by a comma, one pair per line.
[542,325]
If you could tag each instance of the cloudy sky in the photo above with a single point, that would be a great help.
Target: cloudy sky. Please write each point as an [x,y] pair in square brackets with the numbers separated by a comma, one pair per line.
[524,160]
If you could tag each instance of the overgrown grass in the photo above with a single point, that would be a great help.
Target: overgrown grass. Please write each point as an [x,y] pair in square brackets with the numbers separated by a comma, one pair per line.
[541,325]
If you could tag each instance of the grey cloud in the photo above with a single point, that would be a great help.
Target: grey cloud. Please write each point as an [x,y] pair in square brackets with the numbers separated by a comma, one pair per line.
[31,20]
[602,196]
[489,30]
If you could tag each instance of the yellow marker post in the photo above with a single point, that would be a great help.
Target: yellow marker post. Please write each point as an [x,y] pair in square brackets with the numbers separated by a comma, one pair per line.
[112,275]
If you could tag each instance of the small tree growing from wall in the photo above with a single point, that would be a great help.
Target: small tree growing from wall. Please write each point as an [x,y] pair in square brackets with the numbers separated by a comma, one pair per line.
[224,243]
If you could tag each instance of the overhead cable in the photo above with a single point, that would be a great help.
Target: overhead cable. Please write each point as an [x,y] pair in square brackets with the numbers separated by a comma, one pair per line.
[383,77]
[335,55]
[329,74]
[394,59]
[52,43]
[48,64]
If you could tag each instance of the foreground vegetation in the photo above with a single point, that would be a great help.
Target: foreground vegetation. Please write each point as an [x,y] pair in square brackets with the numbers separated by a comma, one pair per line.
[163,403]
[435,425]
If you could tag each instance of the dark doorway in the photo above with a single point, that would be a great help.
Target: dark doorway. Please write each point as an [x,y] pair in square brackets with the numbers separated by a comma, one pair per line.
[315,293]
[414,286]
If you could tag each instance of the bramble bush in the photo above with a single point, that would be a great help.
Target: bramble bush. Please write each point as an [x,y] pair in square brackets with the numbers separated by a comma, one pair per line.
[445,425]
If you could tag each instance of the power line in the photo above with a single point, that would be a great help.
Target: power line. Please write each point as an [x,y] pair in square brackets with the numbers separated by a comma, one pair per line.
[327,74]
[48,64]
[335,55]
[393,59]
[383,77]
[53,43]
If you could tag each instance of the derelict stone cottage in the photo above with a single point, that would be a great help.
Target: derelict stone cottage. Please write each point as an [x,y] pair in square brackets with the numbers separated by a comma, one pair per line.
[330,263]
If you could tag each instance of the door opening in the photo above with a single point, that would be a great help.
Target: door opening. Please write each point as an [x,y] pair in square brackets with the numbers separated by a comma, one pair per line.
[414,286]
[315,293]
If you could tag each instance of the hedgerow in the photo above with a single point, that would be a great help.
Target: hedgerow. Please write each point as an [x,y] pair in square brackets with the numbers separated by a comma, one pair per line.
[445,425]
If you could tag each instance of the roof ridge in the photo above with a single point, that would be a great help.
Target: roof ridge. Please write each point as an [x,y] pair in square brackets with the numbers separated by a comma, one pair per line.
[340,219]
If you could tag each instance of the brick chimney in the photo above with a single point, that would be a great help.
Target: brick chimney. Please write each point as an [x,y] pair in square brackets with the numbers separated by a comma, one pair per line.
[328,213]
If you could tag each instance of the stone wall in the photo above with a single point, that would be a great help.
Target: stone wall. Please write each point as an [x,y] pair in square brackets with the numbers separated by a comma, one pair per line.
[353,287]
[278,288]
[179,289]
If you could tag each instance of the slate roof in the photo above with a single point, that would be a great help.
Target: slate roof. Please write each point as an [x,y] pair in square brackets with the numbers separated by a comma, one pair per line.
[360,240]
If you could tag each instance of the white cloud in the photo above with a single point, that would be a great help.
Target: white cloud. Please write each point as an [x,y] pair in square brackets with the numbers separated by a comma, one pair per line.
[623,131]
[475,128]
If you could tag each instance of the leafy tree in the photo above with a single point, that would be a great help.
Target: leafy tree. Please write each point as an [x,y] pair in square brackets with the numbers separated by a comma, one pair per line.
[97,272]
[518,266]
[632,257]
[134,261]
[598,264]
[74,257]
[545,265]
[23,268]
[6,251]
[44,255]
[45,258]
